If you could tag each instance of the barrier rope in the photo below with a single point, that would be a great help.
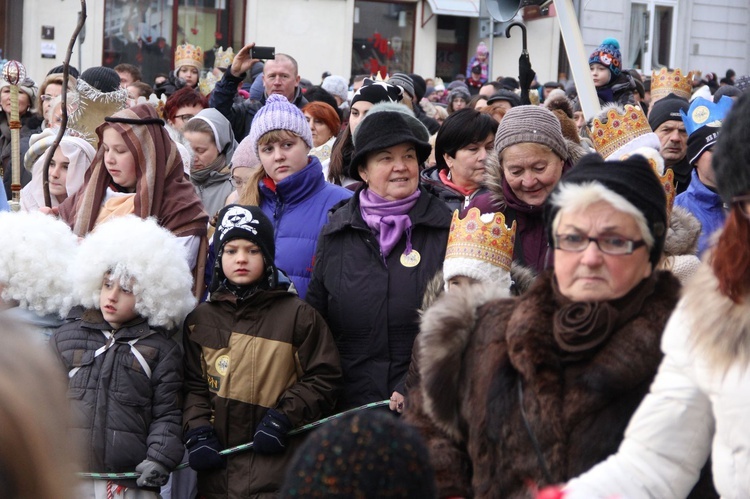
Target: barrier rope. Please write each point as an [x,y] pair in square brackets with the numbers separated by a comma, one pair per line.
[239,448]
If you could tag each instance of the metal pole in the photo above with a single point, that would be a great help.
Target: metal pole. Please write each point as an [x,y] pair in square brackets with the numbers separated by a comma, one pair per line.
[571,33]
[492,51]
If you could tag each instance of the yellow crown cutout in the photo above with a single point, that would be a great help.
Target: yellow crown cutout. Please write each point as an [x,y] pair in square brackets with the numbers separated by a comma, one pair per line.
[224,58]
[188,55]
[490,242]
[619,129]
[666,82]
[657,164]
[206,85]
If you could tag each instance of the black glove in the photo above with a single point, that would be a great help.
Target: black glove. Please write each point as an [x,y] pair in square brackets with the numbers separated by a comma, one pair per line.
[203,449]
[153,474]
[270,435]
[525,77]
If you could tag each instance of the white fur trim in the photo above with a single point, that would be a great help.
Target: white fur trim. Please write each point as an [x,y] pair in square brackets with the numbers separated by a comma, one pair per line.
[650,140]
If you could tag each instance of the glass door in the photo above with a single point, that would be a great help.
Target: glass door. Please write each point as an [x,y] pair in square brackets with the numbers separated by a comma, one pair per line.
[652,35]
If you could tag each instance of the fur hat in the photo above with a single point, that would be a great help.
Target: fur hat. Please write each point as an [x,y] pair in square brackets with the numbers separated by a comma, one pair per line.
[531,124]
[130,247]
[336,86]
[242,222]
[608,55]
[417,127]
[279,114]
[37,250]
[382,130]
[633,179]
[731,155]
[365,454]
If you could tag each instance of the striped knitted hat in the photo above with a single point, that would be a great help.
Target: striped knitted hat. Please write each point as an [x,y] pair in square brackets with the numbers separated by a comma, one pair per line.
[279,114]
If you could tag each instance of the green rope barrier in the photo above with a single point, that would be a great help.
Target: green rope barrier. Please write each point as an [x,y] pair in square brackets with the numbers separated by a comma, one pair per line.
[239,448]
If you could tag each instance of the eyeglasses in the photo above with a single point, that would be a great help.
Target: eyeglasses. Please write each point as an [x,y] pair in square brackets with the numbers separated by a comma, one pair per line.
[611,245]
[238,182]
[743,202]
[46,98]
[185,117]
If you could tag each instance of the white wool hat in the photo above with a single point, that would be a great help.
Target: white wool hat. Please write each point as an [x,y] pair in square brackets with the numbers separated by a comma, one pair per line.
[37,250]
[132,247]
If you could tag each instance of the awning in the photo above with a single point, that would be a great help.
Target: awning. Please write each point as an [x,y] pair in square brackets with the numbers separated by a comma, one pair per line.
[460,8]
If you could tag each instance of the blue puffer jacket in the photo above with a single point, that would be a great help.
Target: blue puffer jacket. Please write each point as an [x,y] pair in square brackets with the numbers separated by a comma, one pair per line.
[706,206]
[298,210]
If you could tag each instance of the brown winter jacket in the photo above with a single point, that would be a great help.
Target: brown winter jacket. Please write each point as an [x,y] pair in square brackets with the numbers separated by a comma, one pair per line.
[474,349]
[270,350]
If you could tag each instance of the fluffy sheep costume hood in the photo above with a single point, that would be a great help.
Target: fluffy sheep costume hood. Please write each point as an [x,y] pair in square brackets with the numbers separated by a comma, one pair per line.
[37,250]
[130,247]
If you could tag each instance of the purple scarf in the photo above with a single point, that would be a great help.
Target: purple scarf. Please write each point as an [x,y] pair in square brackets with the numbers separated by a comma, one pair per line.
[388,219]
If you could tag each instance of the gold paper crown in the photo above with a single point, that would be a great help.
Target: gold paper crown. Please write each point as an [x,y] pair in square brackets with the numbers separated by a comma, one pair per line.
[188,55]
[206,85]
[488,242]
[223,58]
[666,82]
[619,129]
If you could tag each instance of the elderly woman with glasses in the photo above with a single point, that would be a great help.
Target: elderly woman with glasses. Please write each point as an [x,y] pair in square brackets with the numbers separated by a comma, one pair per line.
[533,390]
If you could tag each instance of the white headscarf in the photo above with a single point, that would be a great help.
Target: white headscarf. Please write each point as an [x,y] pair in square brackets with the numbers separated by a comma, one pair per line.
[80,154]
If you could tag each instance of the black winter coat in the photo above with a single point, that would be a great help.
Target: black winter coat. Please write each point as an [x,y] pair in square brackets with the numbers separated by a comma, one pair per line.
[122,415]
[370,305]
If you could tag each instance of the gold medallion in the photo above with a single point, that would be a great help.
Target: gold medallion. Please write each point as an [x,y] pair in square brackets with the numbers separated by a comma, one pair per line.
[412,259]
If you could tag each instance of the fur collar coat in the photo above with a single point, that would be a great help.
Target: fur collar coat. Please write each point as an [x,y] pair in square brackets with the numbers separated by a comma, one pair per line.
[476,355]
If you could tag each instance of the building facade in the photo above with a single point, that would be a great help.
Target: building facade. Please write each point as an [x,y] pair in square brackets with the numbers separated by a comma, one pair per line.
[348,37]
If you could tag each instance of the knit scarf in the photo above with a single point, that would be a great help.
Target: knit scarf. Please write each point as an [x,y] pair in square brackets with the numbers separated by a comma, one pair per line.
[580,328]
[200,175]
[389,220]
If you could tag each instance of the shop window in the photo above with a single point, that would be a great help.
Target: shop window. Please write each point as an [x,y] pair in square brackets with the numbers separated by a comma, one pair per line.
[145,32]
[383,37]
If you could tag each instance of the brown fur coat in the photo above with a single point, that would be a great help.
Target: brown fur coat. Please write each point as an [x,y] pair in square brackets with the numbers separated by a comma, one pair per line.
[474,350]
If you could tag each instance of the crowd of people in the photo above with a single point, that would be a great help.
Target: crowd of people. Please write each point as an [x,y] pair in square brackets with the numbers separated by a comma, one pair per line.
[233,256]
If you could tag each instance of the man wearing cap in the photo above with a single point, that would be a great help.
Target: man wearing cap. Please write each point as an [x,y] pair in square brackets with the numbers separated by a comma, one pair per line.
[500,103]
[666,122]
[703,122]
[280,76]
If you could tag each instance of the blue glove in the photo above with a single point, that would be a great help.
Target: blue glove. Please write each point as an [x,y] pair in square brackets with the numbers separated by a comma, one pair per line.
[203,449]
[153,474]
[270,435]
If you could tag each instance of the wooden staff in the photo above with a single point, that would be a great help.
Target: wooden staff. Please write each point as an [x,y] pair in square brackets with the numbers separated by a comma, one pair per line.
[64,106]
[14,73]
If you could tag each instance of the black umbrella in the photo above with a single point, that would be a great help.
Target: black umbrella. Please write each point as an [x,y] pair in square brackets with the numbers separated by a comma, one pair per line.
[525,73]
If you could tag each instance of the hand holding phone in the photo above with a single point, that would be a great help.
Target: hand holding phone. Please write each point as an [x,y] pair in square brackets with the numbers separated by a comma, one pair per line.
[263,53]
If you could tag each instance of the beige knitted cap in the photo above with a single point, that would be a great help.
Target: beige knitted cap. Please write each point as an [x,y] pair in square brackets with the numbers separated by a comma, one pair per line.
[531,124]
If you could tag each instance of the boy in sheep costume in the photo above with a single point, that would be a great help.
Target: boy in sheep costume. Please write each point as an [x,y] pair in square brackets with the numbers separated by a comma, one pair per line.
[125,371]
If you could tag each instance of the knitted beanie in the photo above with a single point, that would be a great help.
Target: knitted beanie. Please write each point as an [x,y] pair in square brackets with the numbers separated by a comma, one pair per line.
[336,86]
[703,124]
[667,109]
[72,71]
[404,81]
[731,156]
[420,86]
[459,91]
[728,91]
[377,91]
[368,454]
[279,114]
[245,155]
[28,86]
[102,78]
[242,222]
[633,179]
[608,55]
[531,124]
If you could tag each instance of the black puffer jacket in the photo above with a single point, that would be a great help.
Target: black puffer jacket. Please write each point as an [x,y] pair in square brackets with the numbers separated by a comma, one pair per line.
[122,416]
[370,305]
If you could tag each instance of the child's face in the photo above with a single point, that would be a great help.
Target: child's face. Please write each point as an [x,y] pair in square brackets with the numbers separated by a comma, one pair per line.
[58,174]
[600,74]
[242,262]
[118,160]
[460,283]
[116,303]
[190,74]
